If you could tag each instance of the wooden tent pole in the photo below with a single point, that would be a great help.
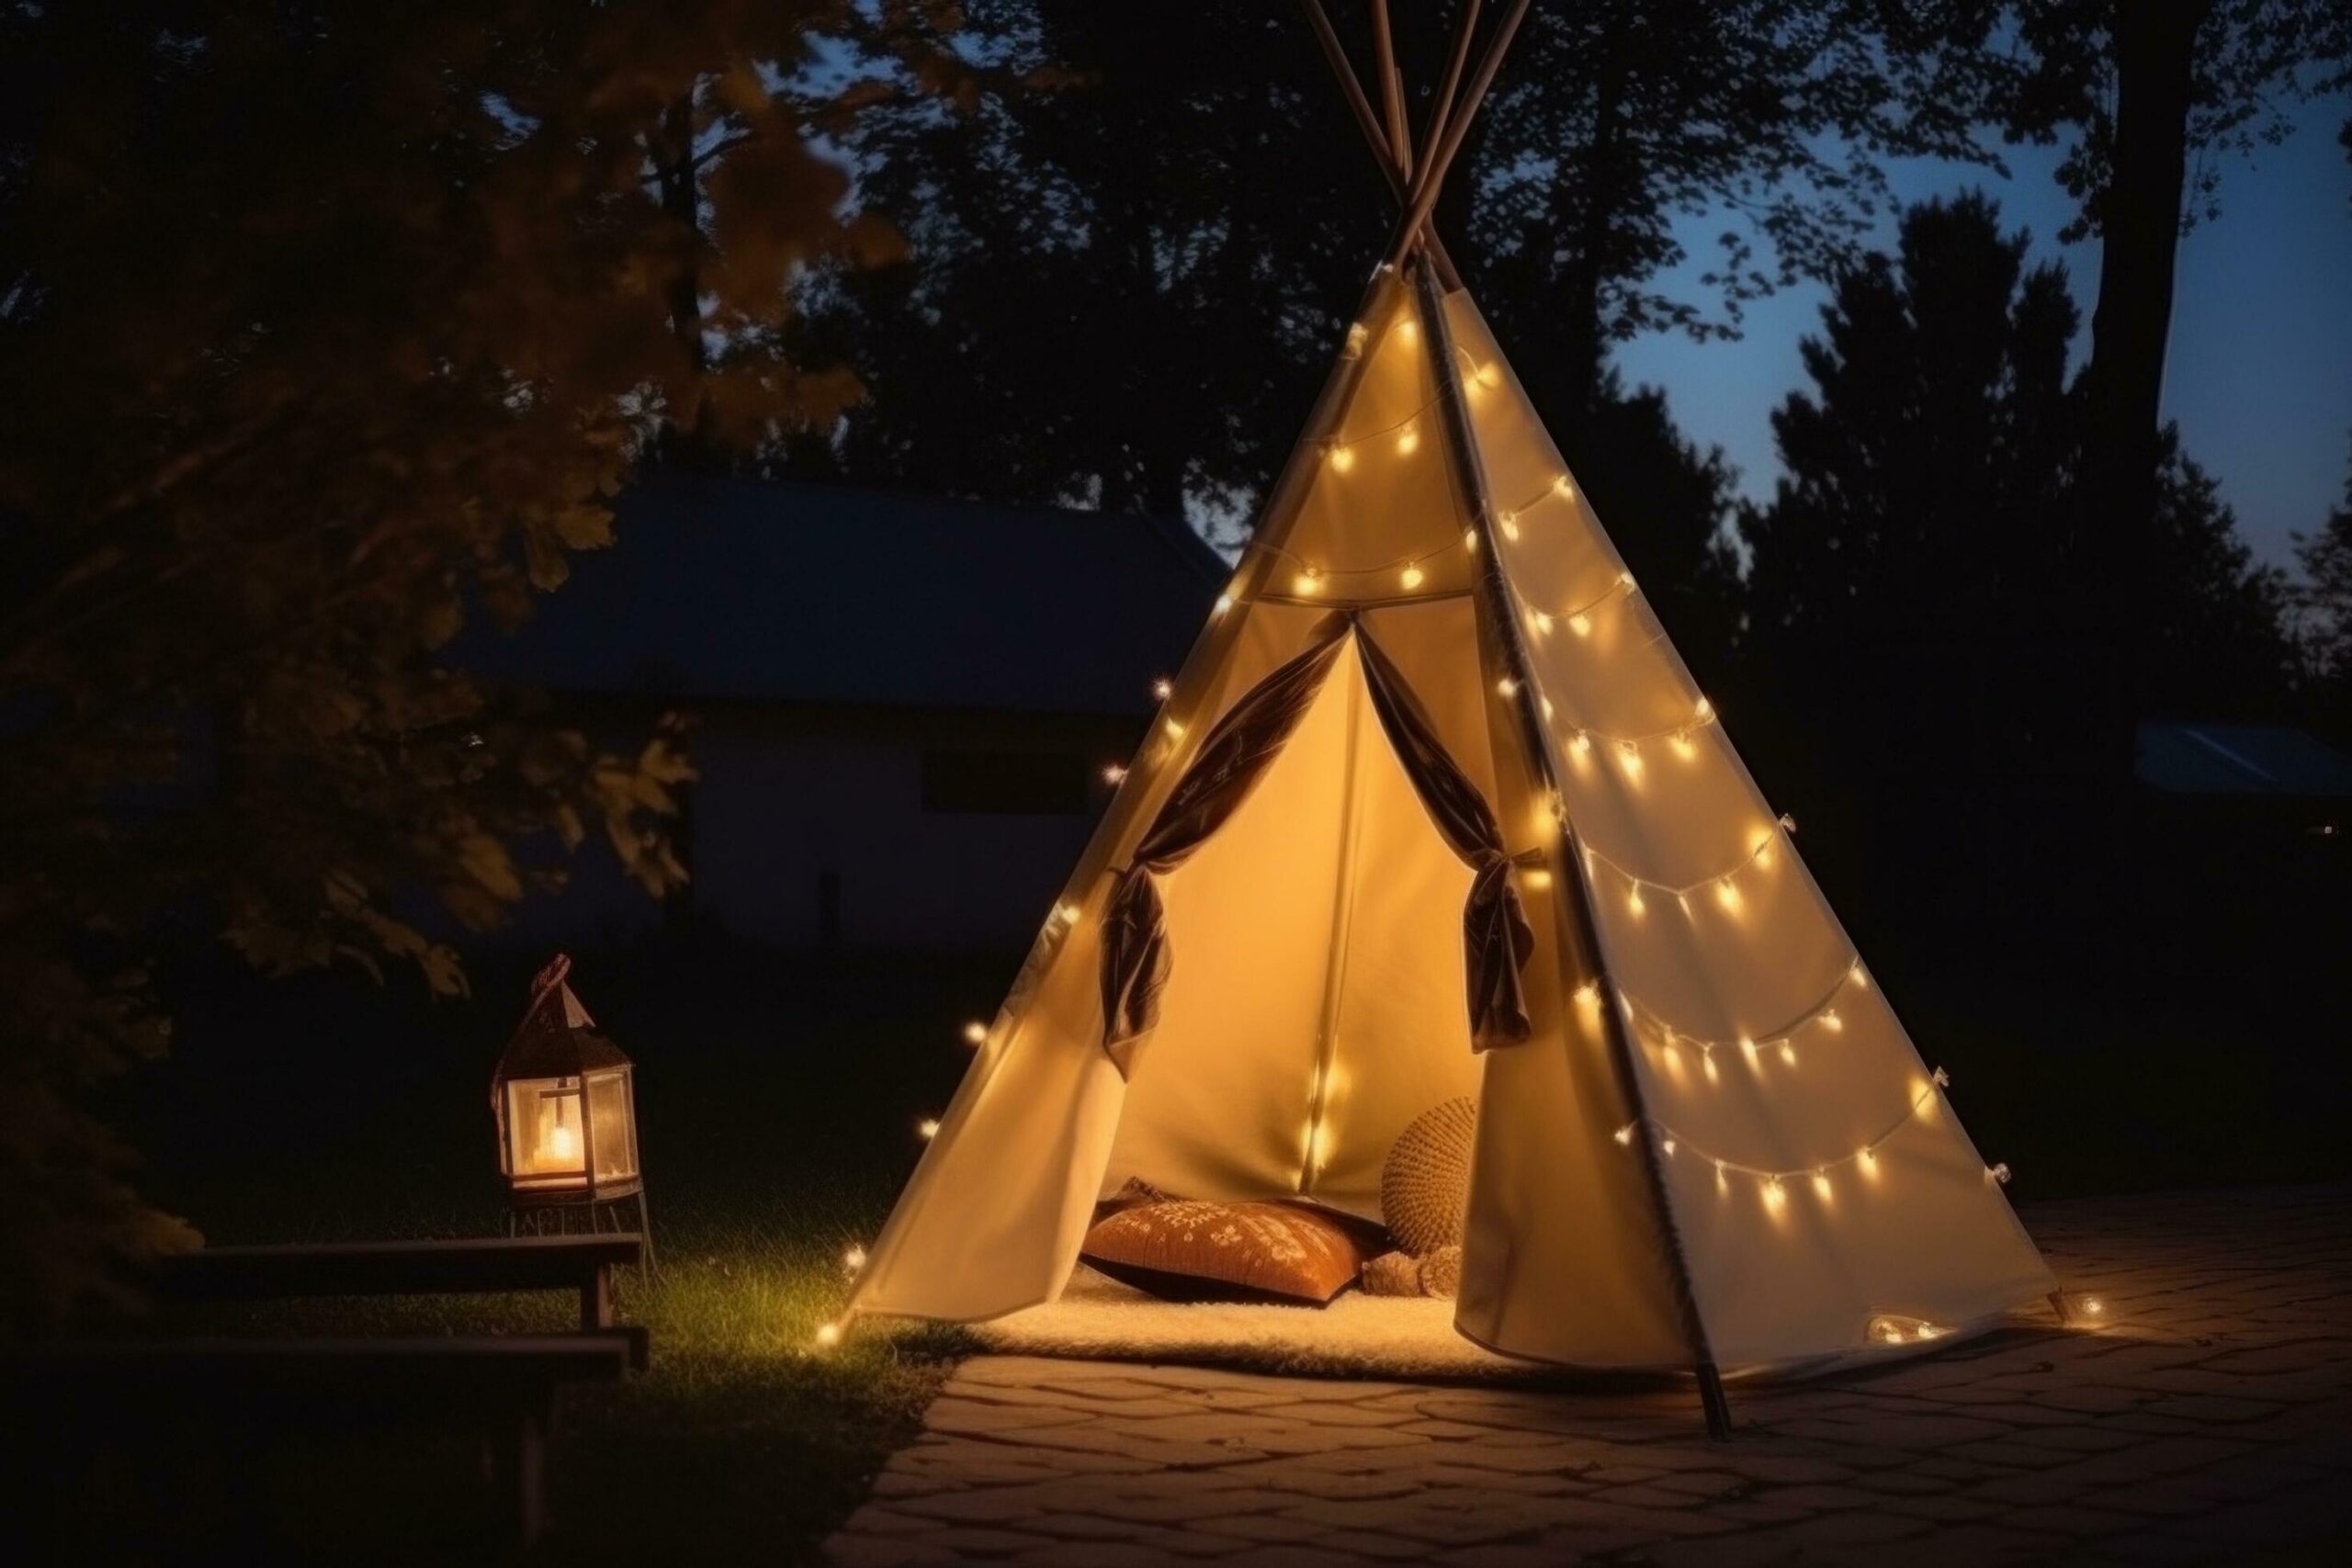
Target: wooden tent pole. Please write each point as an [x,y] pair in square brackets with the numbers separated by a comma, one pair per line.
[1470,472]
[1432,175]
[1369,123]
[1442,105]
[1391,90]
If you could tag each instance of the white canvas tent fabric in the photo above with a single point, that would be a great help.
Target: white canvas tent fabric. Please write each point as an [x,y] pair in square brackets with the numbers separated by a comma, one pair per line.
[1814,1177]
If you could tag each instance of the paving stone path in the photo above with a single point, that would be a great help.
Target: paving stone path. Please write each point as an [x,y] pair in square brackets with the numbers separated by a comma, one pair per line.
[2210,1420]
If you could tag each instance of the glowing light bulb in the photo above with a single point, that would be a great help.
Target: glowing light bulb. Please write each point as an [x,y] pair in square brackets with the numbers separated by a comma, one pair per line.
[1408,440]
[1224,603]
[561,1144]
[1408,331]
[1489,375]
[1589,994]
[1821,1185]
[1114,773]
[1773,1196]
[1665,1145]
[1628,757]
[1943,1078]
[1722,1181]
[1683,900]
[1860,976]
[1867,1158]
[1506,687]
[1633,902]
[1357,333]
[1579,742]
[1538,622]
[1998,1173]
[1626,580]
[1509,523]
[1563,487]
[1069,913]
[1705,710]
[1760,856]
[1727,893]
[1788,1053]
[1682,747]
[976,1032]
[1309,582]
[927,1129]
[1164,688]
[1625,1134]
[1787,823]
[1747,1046]
[1470,540]
[1832,1023]
[2094,1307]
[853,1259]
[828,1336]
[1411,576]
[1535,878]
[1580,624]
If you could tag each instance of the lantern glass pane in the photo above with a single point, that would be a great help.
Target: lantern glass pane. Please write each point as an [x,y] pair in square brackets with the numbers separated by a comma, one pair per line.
[614,1125]
[545,1129]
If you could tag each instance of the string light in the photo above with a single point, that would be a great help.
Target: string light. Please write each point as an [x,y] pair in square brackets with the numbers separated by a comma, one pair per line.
[1563,487]
[1407,330]
[1175,730]
[1470,540]
[1579,742]
[1628,757]
[1341,456]
[828,1336]
[1633,901]
[1758,856]
[1997,1174]
[1770,1179]
[2094,1307]
[1164,688]
[1407,441]
[1699,719]
[853,1259]
[1069,913]
[1506,687]
[976,1033]
[1580,624]
[1411,576]
[1357,333]
[1224,603]
[927,1129]
[1309,582]
[1509,523]
[1114,773]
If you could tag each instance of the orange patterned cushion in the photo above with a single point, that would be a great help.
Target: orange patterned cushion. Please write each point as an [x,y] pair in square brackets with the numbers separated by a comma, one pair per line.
[1190,1250]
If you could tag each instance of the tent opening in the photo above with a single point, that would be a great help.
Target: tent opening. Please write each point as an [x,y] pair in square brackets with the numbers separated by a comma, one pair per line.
[1315,1001]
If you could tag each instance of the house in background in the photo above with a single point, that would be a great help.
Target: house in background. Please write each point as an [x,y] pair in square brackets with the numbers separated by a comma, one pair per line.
[904,703]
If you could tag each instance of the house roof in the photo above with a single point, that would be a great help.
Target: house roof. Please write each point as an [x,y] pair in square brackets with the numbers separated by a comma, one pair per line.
[2241,758]
[740,588]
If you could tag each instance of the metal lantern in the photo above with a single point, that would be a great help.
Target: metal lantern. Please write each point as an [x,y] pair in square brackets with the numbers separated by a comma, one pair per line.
[566,1112]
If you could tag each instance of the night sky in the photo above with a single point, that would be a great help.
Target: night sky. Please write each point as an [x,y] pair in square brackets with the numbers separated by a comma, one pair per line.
[2260,368]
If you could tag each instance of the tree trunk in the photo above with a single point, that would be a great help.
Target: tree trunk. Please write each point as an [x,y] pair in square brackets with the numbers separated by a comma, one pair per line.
[2154,42]
[1584,338]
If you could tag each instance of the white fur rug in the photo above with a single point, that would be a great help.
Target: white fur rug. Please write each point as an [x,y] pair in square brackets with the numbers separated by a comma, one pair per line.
[1400,1338]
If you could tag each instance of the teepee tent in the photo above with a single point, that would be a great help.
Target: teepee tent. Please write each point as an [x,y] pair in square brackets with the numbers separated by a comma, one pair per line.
[1433,810]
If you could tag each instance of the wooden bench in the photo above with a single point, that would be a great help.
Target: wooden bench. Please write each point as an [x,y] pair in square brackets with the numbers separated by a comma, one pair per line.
[506,1383]
[473,1266]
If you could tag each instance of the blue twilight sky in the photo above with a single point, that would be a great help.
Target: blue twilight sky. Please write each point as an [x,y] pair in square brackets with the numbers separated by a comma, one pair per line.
[2261,370]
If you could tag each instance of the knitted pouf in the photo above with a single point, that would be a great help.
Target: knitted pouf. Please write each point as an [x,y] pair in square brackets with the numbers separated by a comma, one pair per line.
[1427,1178]
[1393,1274]
[1441,1272]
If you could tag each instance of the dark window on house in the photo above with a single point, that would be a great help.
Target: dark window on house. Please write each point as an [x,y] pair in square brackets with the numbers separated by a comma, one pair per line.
[1030,783]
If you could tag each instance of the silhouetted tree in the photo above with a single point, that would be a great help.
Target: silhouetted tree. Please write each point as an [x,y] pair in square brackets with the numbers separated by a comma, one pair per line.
[2324,603]
[1618,120]
[324,327]
[1906,592]
[2153,92]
